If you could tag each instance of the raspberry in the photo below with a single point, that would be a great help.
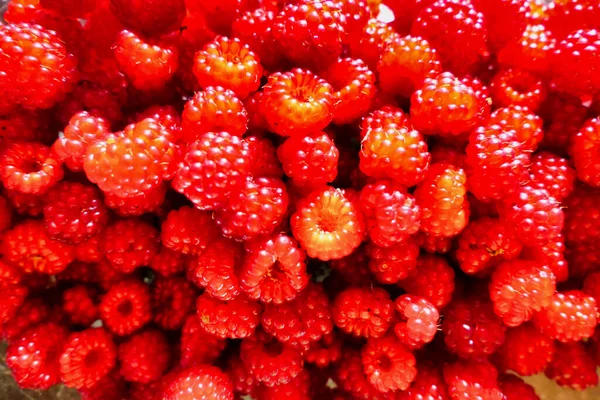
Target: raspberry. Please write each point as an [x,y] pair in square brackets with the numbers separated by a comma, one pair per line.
[445,106]
[447,24]
[353,268]
[298,388]
[197,345]
[356,14]
[311,161]
[525,350]
[302,321]
[38,71]
[354,86]
[370,44]
[297,102]
[144,357]
[383,117]
[391,264]
[213,110]
[513,388]
[353,380]
[129,244]
[405,65]
[25,204]
[80,303]
[484,244]
[518,88]
[263,158]
[583,147]
[13,296]
[199,382]
[532,51]
[564,116]
[418,321]
[29,168]
[33,357]
[573,367]
[328,224]
[582,216]
[429,385]
[243,382]
[553,173]
[255,28]
[21,11]
[564,17]
[325,352]
[233,319]
[172,300]
[125,308]
[472,380]
[83,129]
[434,244]
[582,259]
[274,269]
[388,365]
[433,280]
[212,168]
[149,17]
[269,361]
[497,162]
[28,246]
[111,385]
[140,204]
[552,255]
[520,288]
[471,329]
[88,356]
[504,20]
[591,286]
[365,312]
[188,230]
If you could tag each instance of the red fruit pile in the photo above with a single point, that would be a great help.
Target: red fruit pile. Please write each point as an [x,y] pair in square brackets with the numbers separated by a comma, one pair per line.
[300,199]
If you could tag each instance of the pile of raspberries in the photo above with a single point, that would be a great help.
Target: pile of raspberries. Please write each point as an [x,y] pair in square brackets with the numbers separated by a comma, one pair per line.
[303,199]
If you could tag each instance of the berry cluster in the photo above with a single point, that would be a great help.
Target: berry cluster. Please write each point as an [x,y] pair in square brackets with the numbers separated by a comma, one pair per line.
[300,199]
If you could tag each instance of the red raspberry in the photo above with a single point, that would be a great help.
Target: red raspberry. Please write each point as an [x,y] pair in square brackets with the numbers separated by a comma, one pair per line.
[525,350]
[472,380]
[391,264]
[297,102]
[33,357]
[125,308]
[582,216]
[212,168]
[520,288]
[29,168]
[471,329]
[352,269]
[418,321]
[233,319]
[356,14]
[553,173]
[583,148]
[504,20]
[199,382]
[564,116]
[518,88]
[263,158]
[255,28]
[434,244]
[370,44]
[497,162]
[484,244]
[365,312]
[140,204]
[89,251]
[433,280]
[429,385]
[536,217]
[21,11]
[564,17]
[311,161]
[406,63]
[573,367]
[531,51]
[149,17]
[270,361]
[388,365]
[145,356]
[354,86]
[325,352]
[228,63]
[302,321]
[591,286]
[583,259]
[445,106]
[87,357]
[129,244]
[111,385]
[352,379]
[172,300]
[243,382]
[385,116]
[451,24]
[28,246]
[298,389]
[188,230]
[25,204]
[13,296]
[513,388]
[197,345]
[552,255]
[100,273]
[328,224]
[38,71]
[575,64]
[33,311]
[80,303]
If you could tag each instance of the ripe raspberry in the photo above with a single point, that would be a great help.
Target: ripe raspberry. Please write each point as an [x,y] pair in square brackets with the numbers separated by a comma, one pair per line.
[311,161]
[406,63]
[140,204]
[447,24]
[354,86]
[583,147]
[263,158]
[199,382]
[33,312]
[434,244]
[38,71]
[243,382]
[433,280]
[297,102]
[352,379]
[298,388]
[518,88]
[553,173]
[513,388]
[328,224]
[519,288]
[429,385]
[471,329]
[129,244]
[89,251]
[536,217]
[302,321]
[29,168]
[80,303]
[418,321]
[125,308]
[391,264]
[531,51]
[582,216]
[255,28]
[28,246]
[149,17]
[497,162]
[525,350]
[582,259]
[591,286]
[21,11]
[25,204]
[564,17]
[573,367]
[33,357]
[370,44]
[443,105]
[197,345]
[172,300]
[13,296]
[270,361]
[365,312]
[325,352]
[564,116]
[188,230]
[385,116]
[145,356]
[472,380]
[352,269]
[212,168]
[88,356]
[387,364]
[233,319]
[504,20]
[111,385]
